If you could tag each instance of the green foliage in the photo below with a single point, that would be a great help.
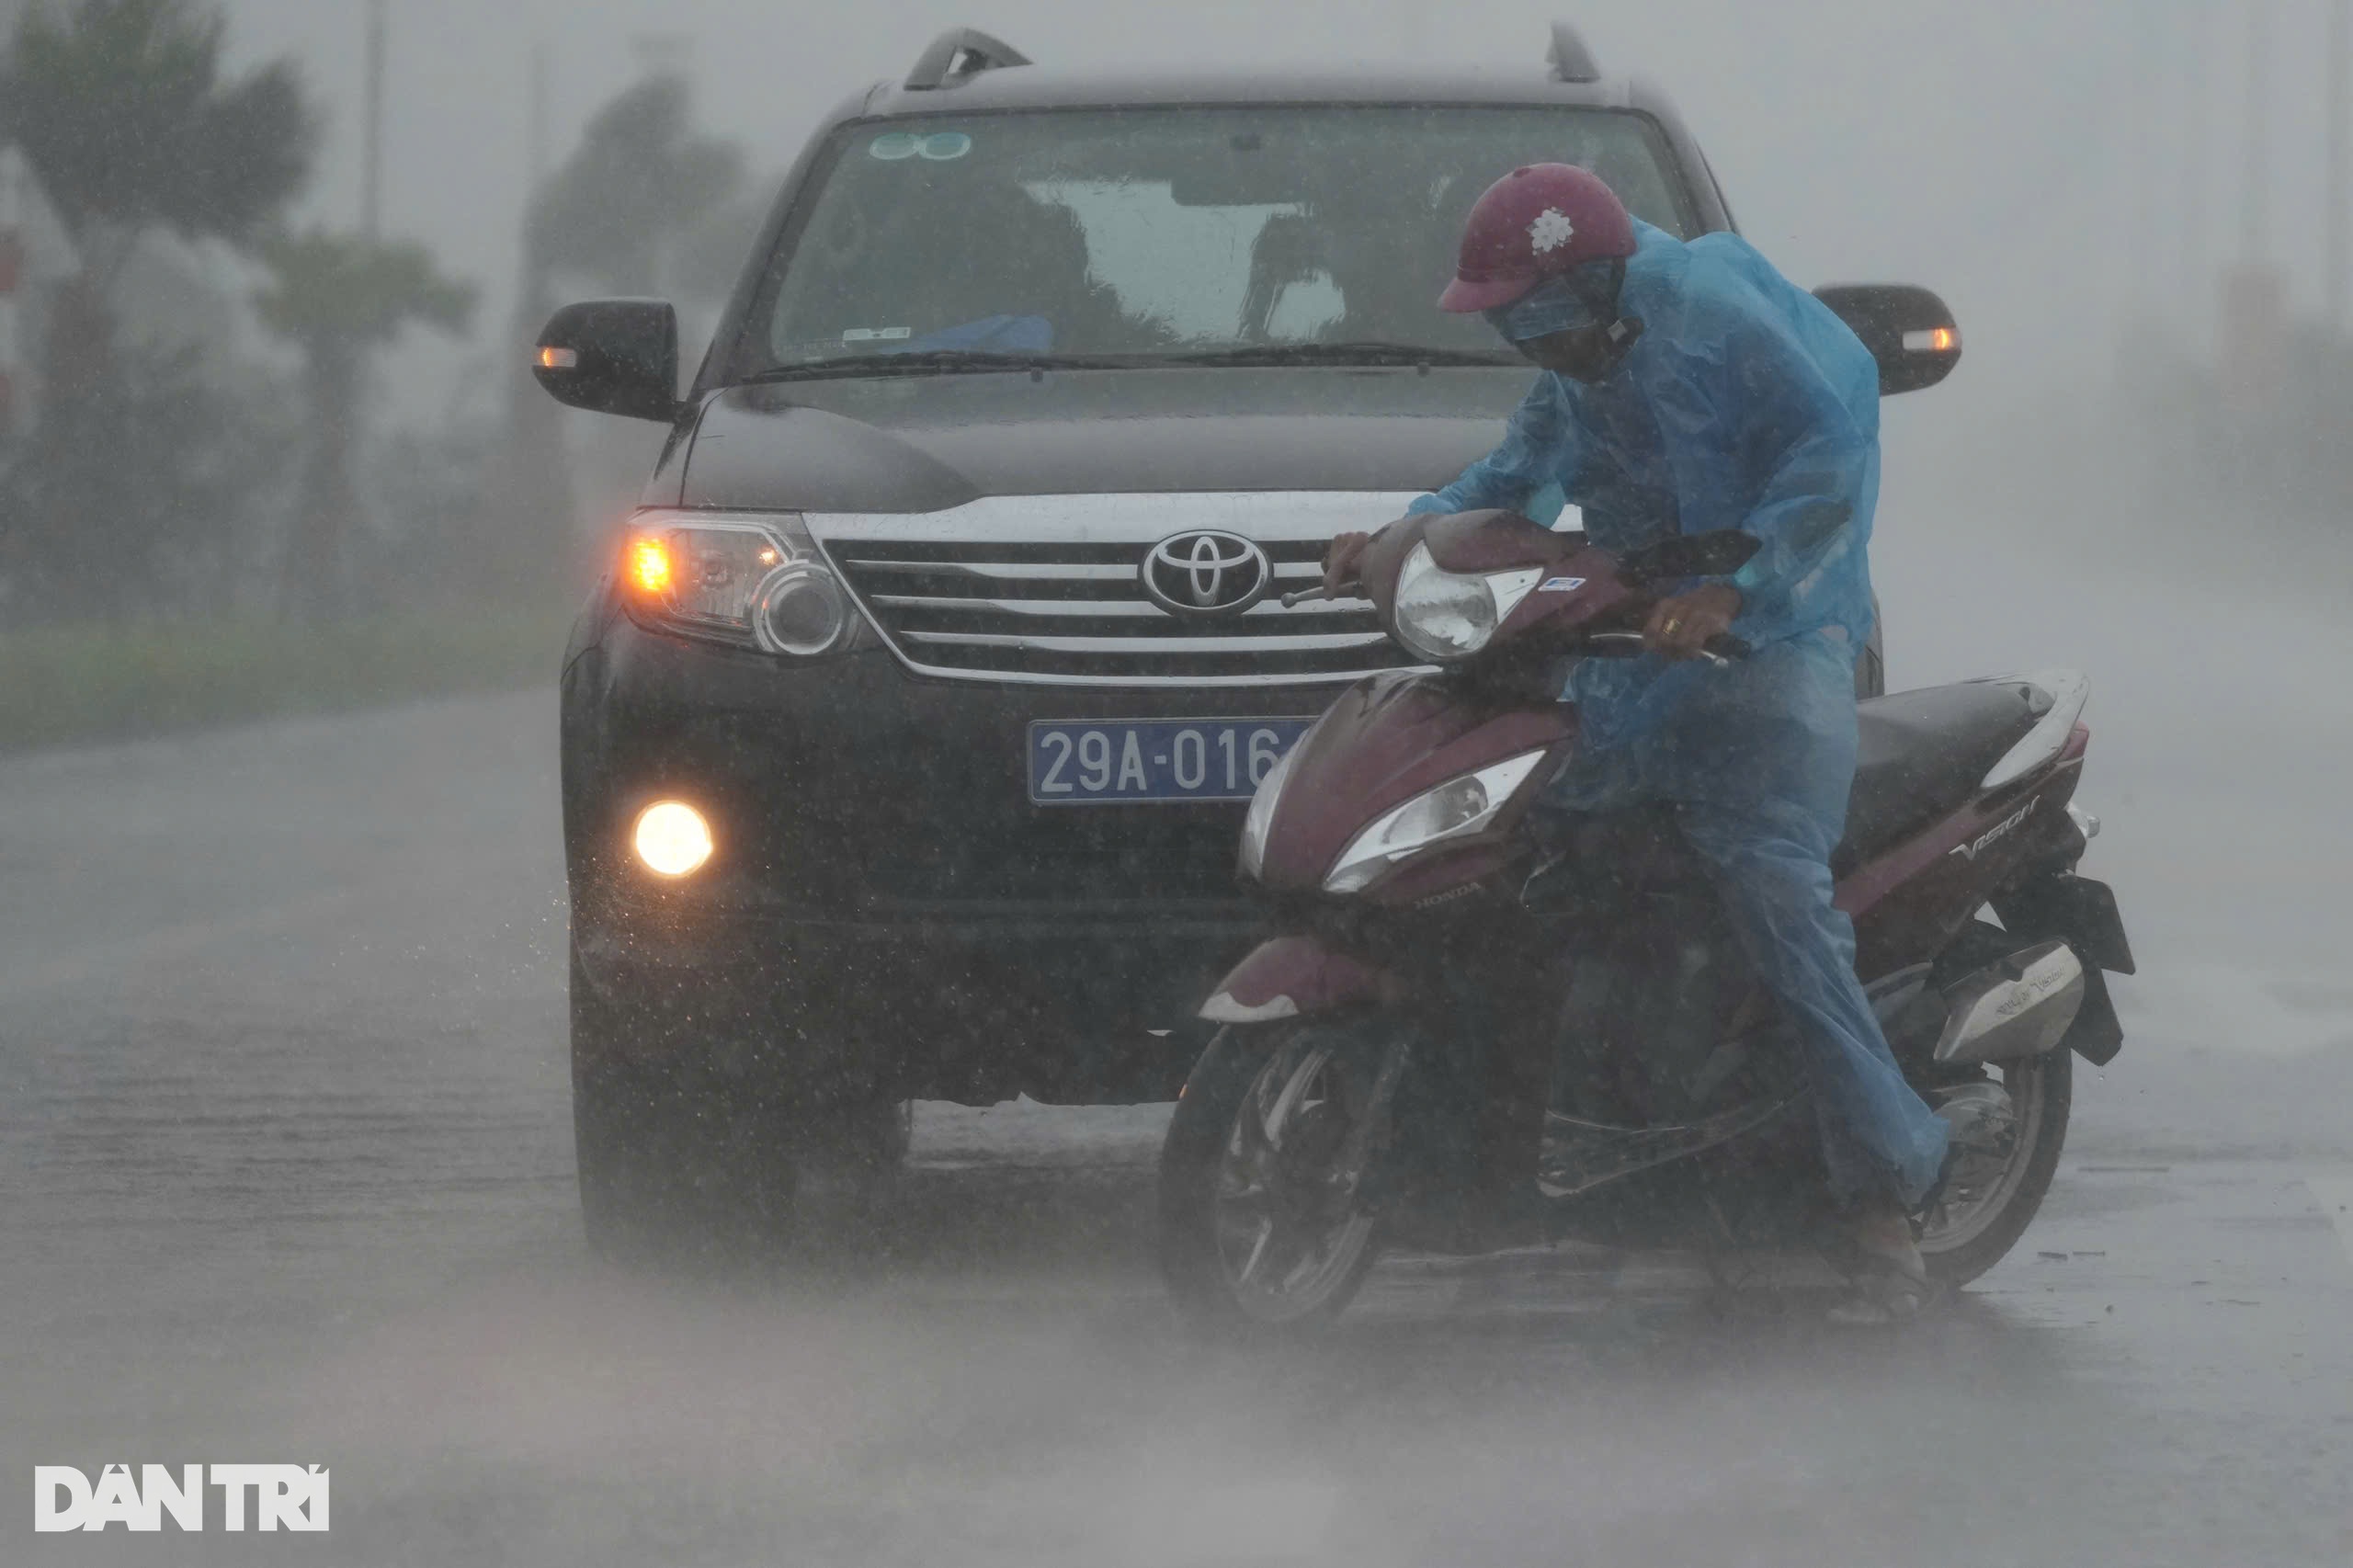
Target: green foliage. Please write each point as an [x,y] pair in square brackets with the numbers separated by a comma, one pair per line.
[122,107]
[88,681]
[356,292]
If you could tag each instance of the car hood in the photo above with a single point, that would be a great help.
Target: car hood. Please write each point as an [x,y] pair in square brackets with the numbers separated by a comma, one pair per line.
[921,444]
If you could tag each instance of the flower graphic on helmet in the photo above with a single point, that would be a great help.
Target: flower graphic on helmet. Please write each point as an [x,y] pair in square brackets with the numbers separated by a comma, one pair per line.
[1551,230]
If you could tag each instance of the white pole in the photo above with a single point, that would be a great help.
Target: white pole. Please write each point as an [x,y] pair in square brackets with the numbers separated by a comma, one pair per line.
[2333,247]
[12,267]
[371,171]
[2254,209]
[2143,121]
[2197,163]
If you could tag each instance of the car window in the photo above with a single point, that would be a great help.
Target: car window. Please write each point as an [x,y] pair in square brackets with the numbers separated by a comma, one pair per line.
[1132,231]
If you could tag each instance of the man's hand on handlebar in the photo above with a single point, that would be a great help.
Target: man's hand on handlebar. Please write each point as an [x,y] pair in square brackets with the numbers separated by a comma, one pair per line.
[1341,560]
[1681,628]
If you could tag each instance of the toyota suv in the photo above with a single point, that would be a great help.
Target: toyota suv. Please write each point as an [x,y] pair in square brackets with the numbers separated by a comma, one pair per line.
[906,738]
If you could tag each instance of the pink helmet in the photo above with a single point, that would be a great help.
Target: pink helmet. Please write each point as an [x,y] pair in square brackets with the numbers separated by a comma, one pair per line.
[1534,224]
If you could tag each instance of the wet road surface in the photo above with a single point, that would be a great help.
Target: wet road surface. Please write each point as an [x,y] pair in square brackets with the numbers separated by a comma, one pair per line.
[287,1147]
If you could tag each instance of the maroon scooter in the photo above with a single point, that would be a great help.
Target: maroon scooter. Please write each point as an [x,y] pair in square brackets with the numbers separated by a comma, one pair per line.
[1478,1024]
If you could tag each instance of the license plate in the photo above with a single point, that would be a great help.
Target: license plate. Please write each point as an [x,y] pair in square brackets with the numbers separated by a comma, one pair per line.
[1083,762]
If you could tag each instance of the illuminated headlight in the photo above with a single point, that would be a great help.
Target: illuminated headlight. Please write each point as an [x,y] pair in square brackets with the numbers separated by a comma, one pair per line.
[1261,819]
[1448,615]
[672,838]
[1454,810]
[756,581]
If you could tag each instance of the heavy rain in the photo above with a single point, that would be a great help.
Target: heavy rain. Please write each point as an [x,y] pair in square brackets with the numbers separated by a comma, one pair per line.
[656,668]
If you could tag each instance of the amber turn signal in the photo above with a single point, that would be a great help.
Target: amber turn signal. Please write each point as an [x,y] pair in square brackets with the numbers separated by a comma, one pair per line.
[649,567]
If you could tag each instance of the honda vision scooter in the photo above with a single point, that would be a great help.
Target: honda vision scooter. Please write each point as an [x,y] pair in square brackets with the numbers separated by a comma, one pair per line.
[1476,1027]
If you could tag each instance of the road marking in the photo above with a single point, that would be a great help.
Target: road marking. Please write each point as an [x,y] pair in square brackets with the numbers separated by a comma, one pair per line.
[2334,1194]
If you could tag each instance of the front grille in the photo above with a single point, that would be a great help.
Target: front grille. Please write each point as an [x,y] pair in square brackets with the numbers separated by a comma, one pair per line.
[1049,589]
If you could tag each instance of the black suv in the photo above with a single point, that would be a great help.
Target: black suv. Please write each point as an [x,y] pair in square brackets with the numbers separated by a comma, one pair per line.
[906,741]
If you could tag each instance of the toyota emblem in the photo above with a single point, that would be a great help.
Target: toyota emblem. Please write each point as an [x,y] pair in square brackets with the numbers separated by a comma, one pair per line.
[1206,573]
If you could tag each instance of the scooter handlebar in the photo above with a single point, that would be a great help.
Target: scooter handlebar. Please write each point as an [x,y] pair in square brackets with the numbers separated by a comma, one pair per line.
[1720,650]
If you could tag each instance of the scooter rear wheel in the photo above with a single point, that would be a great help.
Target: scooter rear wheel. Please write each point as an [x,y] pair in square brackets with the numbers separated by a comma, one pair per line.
[1996,1188]
[1262,1219]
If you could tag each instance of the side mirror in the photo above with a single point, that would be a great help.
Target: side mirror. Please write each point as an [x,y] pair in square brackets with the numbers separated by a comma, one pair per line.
[612,357]
[1717,555]
[1908,330]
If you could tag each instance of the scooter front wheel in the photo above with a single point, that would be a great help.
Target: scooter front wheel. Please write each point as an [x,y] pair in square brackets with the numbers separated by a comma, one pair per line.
[1263,1222]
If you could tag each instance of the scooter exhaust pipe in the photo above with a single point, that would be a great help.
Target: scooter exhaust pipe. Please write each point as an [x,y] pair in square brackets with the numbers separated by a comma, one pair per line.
[2021,1006]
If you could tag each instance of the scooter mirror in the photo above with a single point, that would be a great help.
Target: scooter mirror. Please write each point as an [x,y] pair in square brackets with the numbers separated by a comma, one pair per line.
[1716,555]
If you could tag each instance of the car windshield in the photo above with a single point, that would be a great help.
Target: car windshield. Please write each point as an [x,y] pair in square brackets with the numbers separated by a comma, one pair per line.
[1150,233]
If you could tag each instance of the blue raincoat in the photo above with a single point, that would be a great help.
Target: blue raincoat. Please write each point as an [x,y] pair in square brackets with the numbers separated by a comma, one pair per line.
[1745,403]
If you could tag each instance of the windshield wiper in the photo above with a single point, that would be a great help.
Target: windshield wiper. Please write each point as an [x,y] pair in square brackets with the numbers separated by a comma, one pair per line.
[929,362]
[1346,353]
[968,362]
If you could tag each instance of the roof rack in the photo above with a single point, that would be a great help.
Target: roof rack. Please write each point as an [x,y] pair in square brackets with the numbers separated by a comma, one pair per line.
[956,56]
[1570,59]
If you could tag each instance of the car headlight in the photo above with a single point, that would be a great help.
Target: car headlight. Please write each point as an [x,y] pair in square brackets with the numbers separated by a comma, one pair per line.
[1254,826]
[1448,615]
[1455,809]
[753,581]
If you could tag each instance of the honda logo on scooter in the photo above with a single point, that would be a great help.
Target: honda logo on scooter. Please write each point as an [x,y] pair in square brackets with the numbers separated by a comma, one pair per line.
[1206,573]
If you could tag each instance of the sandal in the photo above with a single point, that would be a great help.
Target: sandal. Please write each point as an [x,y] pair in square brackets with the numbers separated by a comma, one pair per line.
[1887,1290]
[1890,1277]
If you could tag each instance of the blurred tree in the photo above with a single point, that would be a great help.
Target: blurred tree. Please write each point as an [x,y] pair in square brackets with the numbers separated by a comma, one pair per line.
[644,204]
[167,512]
[123,108]
[126,113]
[340,298]
[631,209]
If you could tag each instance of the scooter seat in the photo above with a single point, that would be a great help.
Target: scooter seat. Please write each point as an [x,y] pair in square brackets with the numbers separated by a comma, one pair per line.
[1921,755]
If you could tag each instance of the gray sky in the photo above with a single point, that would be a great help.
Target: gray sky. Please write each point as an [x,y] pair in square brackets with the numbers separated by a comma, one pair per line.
[2040,163]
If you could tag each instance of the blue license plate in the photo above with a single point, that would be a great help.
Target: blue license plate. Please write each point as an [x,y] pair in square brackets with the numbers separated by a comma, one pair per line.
[1083,762]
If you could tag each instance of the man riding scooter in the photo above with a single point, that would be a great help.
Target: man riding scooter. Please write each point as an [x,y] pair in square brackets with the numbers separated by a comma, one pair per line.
[1690,387]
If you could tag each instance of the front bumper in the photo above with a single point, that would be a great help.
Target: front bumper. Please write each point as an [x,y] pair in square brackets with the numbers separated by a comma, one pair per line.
[1069,1008]
[883,899]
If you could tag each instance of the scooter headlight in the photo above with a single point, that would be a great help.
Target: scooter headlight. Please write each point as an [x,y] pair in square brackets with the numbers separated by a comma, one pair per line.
[1456,809]
[1261,818]
[1441,614]
[1448,615]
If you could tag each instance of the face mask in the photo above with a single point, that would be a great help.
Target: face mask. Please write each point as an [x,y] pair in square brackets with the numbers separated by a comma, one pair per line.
[1551,306]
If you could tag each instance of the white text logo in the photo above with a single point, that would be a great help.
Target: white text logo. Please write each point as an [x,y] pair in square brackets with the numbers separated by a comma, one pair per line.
[255,1497]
